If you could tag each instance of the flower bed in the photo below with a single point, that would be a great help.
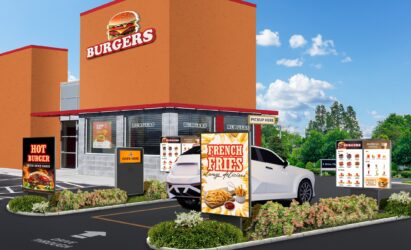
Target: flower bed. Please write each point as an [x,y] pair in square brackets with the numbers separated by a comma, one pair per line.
[67,200]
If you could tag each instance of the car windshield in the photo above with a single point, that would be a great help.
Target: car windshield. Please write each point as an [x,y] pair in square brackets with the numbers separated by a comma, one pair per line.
[193,151]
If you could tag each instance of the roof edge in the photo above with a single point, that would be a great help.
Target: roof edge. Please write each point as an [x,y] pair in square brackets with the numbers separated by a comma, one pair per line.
[119,1]
[153,106]
[32,47]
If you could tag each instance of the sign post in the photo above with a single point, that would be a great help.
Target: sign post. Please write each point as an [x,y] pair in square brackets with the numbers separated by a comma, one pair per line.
[225,176]
[130,170]
[39,174]
[328,165]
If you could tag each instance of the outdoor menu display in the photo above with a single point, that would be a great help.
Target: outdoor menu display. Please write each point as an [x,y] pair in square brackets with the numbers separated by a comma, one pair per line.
[38,164]
[102,134]
[170,149]
[377,161]
[187,142]
[225,170]
[349,164]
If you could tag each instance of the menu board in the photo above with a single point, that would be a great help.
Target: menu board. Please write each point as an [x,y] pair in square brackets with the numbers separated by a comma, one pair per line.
[187,142]
[225,169]
[38,164]
[377,169]
[170,149]
[349,164]
[102,134]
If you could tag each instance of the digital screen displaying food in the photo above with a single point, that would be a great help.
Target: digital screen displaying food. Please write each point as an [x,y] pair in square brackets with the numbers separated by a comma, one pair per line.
[225,174]
[377,158]
[349,169]
[38,170]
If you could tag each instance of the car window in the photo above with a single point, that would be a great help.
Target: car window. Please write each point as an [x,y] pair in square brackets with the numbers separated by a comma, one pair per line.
[193,151]
[254,155]
[270,157]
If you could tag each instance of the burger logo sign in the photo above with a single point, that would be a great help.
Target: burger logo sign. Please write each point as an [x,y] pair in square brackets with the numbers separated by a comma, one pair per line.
[123,32]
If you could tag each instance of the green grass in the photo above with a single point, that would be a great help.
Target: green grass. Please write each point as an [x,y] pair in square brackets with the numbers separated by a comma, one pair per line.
[407,182]
[138,198]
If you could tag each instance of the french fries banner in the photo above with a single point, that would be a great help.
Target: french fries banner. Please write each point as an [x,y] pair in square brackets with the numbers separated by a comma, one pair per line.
[225,174]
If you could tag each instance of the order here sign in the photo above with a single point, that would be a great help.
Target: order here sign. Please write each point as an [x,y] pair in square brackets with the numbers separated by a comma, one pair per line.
[263,119]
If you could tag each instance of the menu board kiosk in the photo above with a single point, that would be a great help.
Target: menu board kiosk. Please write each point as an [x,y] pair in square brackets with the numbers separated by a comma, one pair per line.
[130,170]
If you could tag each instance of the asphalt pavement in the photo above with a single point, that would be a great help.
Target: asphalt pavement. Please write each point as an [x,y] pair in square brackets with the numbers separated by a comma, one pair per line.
[126,228]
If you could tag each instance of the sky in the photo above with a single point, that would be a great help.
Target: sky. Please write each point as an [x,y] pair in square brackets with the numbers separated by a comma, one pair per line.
[308,52]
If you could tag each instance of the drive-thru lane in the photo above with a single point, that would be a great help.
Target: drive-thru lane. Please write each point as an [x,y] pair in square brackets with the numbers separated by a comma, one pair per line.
[126,228]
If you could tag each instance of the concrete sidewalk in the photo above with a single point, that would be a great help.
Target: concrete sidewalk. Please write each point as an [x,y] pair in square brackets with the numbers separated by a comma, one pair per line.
[70,175]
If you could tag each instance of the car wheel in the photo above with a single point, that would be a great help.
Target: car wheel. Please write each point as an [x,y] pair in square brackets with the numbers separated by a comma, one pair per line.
[305,191]
[190,203]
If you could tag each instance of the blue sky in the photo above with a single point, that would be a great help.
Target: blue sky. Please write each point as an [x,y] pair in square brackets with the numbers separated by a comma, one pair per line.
[373,37]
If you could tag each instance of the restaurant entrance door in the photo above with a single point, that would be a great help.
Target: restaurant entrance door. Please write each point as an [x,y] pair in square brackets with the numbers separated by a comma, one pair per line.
[68,144]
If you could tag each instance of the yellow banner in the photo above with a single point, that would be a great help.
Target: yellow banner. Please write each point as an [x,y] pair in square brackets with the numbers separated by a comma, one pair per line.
[130,156]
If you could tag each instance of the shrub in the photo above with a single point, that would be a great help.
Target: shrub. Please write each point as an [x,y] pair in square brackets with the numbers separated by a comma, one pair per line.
[156,190]
[274,220]
[25,203]
[41,207]
[399,204]
[204,235]
[67,200]
[190,219]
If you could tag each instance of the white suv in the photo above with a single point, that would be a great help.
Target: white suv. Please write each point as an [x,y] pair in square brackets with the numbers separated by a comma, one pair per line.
[271,178]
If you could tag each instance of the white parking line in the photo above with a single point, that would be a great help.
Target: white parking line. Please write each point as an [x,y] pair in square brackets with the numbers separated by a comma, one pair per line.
[11,191]
[10,179]
[14,192]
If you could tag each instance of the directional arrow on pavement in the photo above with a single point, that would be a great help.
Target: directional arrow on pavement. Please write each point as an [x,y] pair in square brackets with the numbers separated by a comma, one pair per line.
[89,234]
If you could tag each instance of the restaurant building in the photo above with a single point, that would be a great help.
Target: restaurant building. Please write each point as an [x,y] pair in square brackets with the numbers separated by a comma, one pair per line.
[150,72]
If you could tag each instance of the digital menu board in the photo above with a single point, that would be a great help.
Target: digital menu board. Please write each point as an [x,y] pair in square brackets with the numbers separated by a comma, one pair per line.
[170,149]
[187,142]
[225,173]
[349,164]
[377,164]
[39,165]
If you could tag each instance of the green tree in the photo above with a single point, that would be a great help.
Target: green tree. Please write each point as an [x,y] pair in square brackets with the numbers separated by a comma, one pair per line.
[393,128]
[351,123]
[311,148]
[329,140]
[402,151]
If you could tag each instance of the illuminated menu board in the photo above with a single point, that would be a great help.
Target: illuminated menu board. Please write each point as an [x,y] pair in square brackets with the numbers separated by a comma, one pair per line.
[349,164]
[377,164]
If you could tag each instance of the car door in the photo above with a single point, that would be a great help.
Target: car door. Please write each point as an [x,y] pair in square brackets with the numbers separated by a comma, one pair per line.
[279,176]
[262,174]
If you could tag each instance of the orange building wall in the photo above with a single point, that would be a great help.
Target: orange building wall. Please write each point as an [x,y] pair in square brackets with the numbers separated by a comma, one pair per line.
[133,76]
[204,54]
[29,83]
[213,53]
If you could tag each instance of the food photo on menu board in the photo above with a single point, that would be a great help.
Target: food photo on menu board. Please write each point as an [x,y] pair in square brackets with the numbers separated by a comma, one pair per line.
[102,134]
[170,150]
[225,174]
[377,159]
[349,164]
[188,142]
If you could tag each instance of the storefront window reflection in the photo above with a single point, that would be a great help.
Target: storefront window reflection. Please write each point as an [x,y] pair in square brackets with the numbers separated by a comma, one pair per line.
[194,123]
[145,131]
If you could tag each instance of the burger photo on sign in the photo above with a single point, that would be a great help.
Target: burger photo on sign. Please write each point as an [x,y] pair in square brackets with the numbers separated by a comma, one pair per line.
[122,24]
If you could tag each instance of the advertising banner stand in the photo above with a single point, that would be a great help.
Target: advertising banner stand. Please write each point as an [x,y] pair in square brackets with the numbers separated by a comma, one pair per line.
[225,177]
[129,171]
[38,169]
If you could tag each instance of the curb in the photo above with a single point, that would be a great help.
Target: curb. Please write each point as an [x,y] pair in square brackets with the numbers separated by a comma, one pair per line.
[86,210]
[293,236]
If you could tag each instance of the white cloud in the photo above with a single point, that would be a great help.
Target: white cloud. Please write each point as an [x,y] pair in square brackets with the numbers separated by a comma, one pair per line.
[367,131]
[376,115]
[268,38]
[321,47]
[317,66]
[260,86]
[290,62]
[297,41]
[346,59]
[294,98]
[71,77]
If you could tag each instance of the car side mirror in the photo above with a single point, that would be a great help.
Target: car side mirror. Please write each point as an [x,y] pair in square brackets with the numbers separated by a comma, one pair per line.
[285,164]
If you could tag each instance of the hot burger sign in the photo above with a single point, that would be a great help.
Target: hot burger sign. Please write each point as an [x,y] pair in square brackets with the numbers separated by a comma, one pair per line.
[123,32]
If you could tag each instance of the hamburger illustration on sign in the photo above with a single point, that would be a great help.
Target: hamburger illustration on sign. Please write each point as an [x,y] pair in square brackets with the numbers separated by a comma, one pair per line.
[122,24]
[123,32]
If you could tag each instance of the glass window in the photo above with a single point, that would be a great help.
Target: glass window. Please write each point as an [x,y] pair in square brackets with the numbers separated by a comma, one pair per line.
[101,135]
[236,123]
[269,157]
[254,155]
[144,131]
[194,123]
